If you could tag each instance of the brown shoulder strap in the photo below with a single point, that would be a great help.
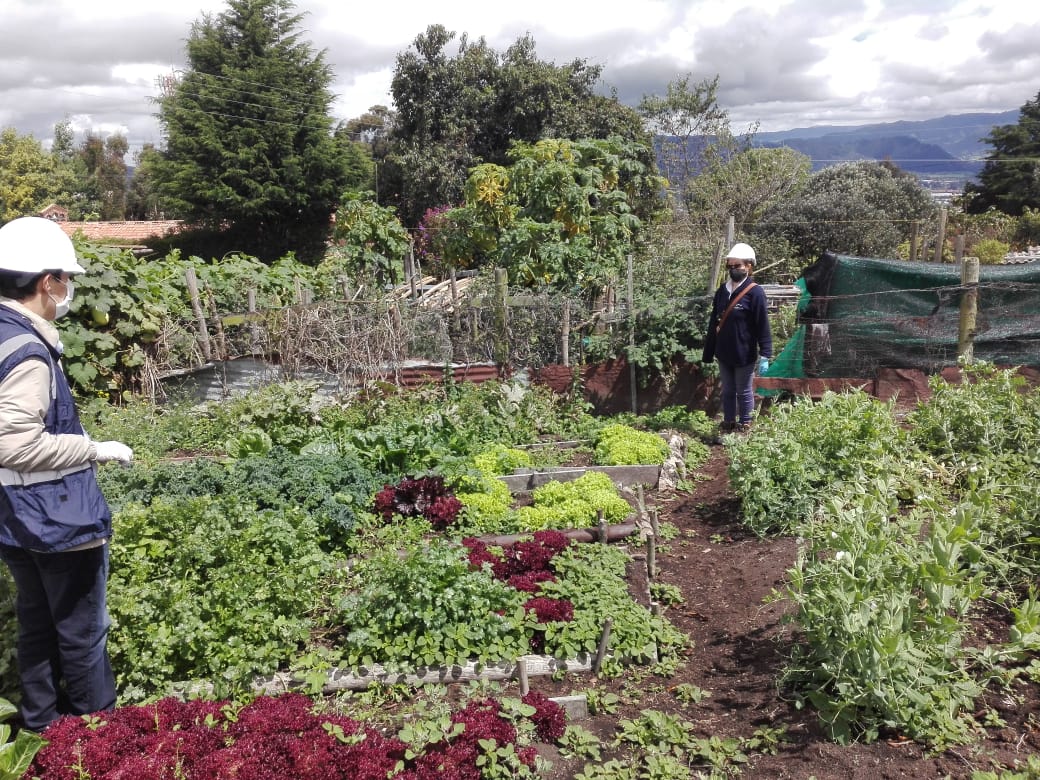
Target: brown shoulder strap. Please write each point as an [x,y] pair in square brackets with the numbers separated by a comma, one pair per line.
[732,303]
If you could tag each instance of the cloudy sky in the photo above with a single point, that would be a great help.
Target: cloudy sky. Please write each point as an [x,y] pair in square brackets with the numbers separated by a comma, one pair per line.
[781,63]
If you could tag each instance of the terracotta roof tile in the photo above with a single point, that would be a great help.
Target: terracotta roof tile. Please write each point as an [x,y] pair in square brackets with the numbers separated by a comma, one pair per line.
[121,231]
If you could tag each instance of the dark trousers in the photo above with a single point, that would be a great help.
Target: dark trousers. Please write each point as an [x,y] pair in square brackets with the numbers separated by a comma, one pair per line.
[738,392]
[62,633]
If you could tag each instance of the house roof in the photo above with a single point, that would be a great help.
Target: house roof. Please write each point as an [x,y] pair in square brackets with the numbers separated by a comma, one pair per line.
[122,231]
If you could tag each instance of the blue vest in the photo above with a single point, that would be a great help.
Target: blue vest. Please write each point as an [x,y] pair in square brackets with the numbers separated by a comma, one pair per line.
[47,511]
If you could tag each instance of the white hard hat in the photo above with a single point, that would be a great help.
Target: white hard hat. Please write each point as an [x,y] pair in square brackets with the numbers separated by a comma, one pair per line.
[741,252]
[32,245]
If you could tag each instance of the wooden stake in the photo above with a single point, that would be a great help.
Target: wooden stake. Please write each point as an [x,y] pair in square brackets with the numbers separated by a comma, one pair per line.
[254,329]
[651,557]
[604,643]
[941,242]
[565,334]
[969,309]
[200,318]
[521,672]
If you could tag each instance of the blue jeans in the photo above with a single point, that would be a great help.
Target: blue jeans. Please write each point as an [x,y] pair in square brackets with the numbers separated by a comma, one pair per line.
[738,394]
[62,633]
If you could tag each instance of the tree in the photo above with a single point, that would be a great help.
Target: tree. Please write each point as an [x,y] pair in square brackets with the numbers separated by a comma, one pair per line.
[457,112]
[691,130]
[860,208]
[250,150]
[143,200]
[27,182]
[1010,179]
[71,179]
[105,186]
[745,186]
[559,216]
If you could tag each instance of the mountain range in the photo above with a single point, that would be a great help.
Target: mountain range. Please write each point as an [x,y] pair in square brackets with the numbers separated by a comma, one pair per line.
[944,153]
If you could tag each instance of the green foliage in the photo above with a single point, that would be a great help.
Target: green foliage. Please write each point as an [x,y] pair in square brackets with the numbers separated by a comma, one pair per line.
[8,652]
[990,251]
[15,755]
[212,589]
[667,334]
[371,243]
[859,208]
[249,147]
[883,619]
[897,552]
[579,741]
[592,578]
[990,414]
[116,313]
[573,504]
[332,489]
[620,445]
[684,420]
[420,608]
[457,110]
[499,459]
[805,451]
[1007,181]
[27,175]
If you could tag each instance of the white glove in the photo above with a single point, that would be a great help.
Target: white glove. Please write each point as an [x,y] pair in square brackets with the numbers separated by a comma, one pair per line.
[112,450]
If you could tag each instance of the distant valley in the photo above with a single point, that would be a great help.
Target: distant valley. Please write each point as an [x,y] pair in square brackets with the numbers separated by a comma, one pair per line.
[944,153]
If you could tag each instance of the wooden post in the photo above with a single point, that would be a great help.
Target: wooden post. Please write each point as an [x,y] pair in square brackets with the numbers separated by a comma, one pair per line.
[500,348]
[632,336]
[254,329]
[456,322]
[565,334]
[958,248]
[604,643]
[651,557]
[298,284]
[713,278]
[969,309]
[200,317]
[601,523]
[521,672]
[942,236]
[913,240]
[411,272]
[218,325]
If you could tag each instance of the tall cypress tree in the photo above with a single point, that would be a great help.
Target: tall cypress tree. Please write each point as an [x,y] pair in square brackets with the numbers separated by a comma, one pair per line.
[1010,179]
[249,145]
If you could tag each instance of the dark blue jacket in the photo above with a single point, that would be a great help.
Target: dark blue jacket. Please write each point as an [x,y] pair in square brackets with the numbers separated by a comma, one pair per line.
[745,335]
[47,511]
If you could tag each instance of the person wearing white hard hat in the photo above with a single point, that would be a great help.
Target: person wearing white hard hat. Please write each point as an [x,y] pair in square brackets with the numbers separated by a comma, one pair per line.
[738,337]
[54,521]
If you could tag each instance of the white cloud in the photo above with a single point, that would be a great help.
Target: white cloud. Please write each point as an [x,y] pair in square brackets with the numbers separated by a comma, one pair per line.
[786,64]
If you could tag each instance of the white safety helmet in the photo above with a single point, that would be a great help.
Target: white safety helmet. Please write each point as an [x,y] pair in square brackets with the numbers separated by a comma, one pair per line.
[32,245]
[742,252]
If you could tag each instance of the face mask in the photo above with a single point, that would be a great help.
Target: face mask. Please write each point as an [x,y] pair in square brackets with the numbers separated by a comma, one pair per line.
[737,274]
[61,308]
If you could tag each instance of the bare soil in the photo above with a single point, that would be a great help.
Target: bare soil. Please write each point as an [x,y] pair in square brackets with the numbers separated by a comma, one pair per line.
[738,642]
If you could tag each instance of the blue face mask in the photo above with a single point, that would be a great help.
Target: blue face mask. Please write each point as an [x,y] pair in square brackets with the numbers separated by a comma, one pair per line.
[737,274]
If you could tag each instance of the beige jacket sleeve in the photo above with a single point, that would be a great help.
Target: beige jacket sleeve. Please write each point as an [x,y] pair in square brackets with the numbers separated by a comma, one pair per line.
[24,444]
